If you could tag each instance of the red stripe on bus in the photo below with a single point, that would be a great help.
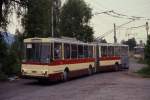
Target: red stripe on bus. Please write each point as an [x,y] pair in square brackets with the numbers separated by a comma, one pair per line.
[72,61]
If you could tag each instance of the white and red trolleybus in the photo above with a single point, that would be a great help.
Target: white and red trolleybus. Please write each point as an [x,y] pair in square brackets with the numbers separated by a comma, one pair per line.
[61,58]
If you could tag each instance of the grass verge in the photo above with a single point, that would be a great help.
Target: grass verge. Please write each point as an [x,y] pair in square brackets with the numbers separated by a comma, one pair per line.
[144,72]
[142,61]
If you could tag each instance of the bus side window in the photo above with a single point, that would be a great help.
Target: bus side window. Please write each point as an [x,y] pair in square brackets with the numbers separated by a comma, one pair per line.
[103,51]
[111,51]
[116,51]
[73,51]
[124,50]
[86,51]
[67,51]
[90,52]
[57,51]
[80,51]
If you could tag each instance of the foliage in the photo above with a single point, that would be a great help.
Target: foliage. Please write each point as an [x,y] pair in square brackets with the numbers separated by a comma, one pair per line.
[147,51]
[3,52]
[6,7]
[142,61]
[131,43]
[103,41]
[146,70]
[38,18]
[4,13]
[9,59]
[74,19]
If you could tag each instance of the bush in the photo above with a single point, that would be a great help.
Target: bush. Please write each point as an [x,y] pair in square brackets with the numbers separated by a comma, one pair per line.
[3,77]
[142,61]
[9,60]
[147,51]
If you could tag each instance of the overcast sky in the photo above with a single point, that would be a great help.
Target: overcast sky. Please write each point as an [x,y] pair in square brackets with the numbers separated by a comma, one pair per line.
[103,23]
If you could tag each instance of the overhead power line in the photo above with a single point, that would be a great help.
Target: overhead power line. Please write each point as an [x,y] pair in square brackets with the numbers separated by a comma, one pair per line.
[110,31]
[141,26]
[115,14]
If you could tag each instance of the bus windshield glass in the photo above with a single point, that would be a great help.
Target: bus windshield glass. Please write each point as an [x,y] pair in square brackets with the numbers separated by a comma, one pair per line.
[36,52]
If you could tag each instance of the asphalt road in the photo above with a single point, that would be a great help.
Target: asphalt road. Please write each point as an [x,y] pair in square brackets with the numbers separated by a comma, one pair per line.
[103,86]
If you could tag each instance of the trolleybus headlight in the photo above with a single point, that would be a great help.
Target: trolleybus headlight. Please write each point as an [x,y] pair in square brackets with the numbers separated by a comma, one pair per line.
[44,73]
[23,72]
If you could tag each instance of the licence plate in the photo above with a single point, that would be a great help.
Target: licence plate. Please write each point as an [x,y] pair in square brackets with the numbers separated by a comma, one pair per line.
[33,71]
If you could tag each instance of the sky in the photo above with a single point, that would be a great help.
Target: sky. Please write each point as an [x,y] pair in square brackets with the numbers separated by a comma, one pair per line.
[103,23]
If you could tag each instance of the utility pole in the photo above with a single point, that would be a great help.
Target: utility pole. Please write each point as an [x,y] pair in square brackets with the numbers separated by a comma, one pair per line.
[52,19]
[115,38]
[147,29]
[55,11]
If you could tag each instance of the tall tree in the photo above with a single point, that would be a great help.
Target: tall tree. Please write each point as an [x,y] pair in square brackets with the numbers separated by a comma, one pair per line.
[6,7]
[3,51]
[131,42]
[74,20]
[38,19]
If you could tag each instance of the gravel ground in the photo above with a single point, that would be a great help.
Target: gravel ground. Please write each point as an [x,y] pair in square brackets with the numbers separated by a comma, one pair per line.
[103,86]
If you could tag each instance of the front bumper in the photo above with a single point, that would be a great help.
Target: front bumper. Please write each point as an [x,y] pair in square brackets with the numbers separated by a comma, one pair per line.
[33,77]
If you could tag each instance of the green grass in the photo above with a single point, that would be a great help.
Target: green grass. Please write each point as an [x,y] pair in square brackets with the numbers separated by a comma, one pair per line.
[144,72]
[142,61]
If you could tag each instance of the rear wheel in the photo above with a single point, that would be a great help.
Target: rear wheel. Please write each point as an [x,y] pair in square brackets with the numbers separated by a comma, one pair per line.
[66,74]
[90,70]
[117,67]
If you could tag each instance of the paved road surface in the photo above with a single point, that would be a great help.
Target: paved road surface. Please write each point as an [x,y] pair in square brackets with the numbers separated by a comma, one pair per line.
[104,86]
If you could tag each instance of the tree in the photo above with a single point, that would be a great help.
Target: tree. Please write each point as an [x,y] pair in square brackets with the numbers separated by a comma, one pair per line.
[147,51]
[3,52]
[131,43]
[3,13]
[74,20]
[38,18]
[103,41]
[9,60]
[6,8]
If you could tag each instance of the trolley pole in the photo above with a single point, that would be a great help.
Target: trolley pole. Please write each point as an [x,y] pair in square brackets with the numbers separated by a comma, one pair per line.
[147,29]
[115,38]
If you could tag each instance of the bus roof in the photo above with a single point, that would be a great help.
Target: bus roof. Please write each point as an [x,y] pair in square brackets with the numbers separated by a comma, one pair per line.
[51,40]
[66,40]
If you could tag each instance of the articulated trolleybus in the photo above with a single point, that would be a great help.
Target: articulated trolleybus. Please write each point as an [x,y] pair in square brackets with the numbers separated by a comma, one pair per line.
[65,58]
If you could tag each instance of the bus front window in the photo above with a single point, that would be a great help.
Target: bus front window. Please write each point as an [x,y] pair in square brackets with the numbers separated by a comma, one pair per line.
[36,52]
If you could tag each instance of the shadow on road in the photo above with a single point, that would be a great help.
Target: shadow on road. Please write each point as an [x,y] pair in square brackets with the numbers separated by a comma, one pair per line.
[52,83]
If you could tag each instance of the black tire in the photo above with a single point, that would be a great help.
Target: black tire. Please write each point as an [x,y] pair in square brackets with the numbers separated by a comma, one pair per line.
[90,70]
[66,74]
[117,67]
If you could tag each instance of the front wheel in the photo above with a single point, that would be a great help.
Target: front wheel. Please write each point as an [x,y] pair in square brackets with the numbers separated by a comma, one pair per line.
[65,76]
